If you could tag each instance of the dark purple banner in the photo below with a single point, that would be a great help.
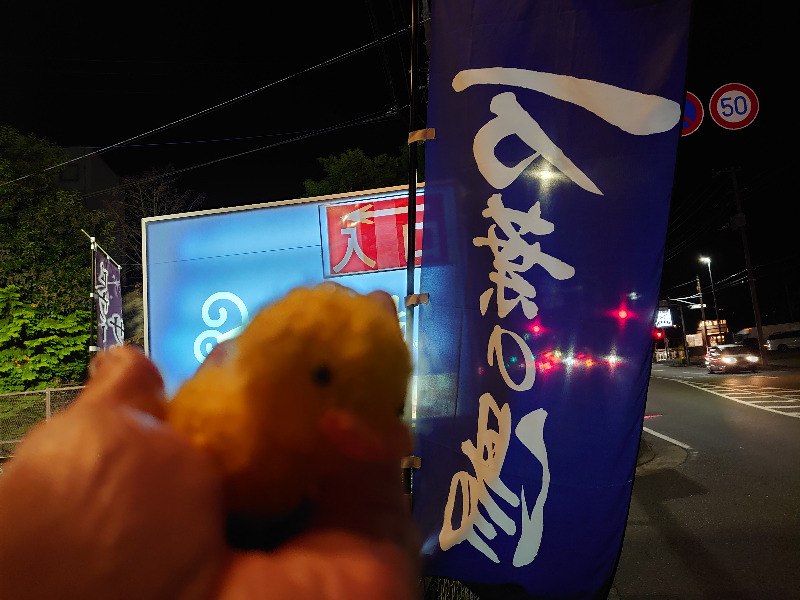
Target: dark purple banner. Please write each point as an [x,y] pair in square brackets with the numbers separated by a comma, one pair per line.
[108,293]
[546,200]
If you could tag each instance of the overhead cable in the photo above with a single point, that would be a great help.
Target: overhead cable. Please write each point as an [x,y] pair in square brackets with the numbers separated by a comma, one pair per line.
[216,107]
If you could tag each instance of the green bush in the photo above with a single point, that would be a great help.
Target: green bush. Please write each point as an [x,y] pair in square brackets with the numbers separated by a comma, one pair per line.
[38,352]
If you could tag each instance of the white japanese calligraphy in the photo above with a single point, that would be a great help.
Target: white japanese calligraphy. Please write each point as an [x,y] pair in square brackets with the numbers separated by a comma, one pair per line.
[530,431]
[352,247]
[513,255]
[512,119]
[103,300]
[487,459]
[495,350]
[633,112]
[103,294]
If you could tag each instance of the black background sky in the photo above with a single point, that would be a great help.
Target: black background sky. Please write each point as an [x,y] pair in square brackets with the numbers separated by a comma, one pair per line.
[332,76]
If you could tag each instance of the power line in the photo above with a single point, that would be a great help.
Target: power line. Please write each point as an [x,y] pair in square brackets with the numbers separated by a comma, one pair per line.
[300,136]
[675,287]
[226,103]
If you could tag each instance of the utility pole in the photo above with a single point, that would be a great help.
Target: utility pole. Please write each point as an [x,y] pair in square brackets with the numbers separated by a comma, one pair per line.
[683,333]
[739,222]
[702,313]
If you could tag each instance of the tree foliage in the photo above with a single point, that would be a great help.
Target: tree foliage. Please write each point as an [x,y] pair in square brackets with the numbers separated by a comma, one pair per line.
[151,194]
[42,249]
[354,171]
[37,351]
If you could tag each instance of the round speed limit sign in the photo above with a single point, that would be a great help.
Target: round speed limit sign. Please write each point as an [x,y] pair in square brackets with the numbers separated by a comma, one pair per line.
[733,106]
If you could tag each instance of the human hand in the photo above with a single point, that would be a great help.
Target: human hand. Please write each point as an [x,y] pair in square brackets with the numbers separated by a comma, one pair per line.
[106,501]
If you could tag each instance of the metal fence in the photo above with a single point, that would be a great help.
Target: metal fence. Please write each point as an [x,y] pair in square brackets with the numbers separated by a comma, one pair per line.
[442,588]
[20,411]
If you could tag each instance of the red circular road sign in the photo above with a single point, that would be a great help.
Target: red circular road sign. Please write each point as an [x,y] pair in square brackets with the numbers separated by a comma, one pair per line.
[692,114]
[733,106]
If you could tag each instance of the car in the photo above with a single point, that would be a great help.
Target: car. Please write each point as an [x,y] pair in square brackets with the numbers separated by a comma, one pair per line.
[784,340]
[727,358]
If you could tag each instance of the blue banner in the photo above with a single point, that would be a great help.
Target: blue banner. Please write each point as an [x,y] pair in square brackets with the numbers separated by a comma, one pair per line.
[108,294]
[547,196]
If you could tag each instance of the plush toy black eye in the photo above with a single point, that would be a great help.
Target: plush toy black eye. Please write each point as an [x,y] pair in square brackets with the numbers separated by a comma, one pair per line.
[321,376]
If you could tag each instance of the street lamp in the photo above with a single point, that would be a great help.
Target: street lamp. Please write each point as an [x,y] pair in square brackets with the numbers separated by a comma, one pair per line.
[707,260]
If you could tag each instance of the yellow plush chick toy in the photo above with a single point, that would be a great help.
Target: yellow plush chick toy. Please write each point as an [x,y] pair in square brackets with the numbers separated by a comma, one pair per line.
[317,376]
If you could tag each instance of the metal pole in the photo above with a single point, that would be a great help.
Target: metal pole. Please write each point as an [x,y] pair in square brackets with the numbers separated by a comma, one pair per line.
[702,313]
[93,320]
[683,331]
[714,294]
[707,260]
[411,231]
[739,222]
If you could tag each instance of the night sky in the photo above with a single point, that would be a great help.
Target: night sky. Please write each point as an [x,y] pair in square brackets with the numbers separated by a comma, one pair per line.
[245,98]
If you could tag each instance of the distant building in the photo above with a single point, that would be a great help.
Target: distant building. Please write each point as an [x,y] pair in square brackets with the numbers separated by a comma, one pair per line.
[717,331]
[90,175]
[766,330]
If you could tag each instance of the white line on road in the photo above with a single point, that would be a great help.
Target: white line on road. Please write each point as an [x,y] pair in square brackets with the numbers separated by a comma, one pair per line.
[667,438]
[766,401]
[728,394]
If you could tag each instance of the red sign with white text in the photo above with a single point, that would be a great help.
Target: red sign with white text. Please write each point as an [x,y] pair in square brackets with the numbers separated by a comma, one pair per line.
[370,236]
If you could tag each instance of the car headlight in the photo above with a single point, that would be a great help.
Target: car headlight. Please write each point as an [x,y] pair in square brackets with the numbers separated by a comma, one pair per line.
[729,360]
[752,358]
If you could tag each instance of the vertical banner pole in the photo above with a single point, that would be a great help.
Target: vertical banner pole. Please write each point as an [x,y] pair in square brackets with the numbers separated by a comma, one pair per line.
[92,322]
[412,178]
[411,229]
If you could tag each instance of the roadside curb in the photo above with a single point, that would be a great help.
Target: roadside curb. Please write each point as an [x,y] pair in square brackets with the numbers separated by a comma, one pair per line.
[646,453]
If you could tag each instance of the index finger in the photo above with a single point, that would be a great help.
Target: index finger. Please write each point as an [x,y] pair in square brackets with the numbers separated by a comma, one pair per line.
[124,376]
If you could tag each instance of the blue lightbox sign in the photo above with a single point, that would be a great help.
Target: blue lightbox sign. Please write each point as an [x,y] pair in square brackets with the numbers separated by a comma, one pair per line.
[207,273]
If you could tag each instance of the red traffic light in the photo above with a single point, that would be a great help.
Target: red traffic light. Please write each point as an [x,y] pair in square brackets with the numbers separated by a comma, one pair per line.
[658,334]
[535,327]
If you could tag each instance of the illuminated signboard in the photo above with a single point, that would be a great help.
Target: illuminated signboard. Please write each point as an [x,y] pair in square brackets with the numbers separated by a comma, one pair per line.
[208,272]
[369,236]
[663,318]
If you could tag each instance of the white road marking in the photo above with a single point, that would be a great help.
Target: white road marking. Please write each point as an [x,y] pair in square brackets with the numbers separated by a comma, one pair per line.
[667,438]
[752,396]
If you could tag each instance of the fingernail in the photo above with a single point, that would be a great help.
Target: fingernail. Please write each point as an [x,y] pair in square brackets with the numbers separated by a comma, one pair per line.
[144,419]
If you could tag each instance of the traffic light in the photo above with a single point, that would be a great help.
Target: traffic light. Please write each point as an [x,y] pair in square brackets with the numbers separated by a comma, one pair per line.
[658,334]
[622,314]
[535,328]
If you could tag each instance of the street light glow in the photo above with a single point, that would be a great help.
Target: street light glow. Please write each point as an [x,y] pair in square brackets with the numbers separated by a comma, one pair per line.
[707,261]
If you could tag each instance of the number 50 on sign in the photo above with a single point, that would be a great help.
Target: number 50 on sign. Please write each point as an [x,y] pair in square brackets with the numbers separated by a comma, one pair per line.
[733,106]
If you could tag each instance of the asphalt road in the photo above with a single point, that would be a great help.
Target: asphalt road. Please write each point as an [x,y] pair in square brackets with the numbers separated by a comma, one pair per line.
[715,511]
